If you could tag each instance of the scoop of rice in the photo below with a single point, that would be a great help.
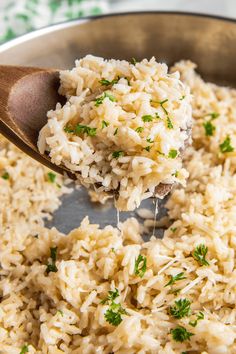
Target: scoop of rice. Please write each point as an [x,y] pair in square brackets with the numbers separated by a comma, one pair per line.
[122,129]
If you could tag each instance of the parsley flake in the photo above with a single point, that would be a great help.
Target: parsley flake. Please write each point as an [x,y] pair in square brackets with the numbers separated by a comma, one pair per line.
[181,308]
[81,129]
[182,97]
[5,176]
[140,266]
[147,148]
[99,100]
[209,128]
[200,316]
[51,267]
[115,310]
[139,129]
[106,82]
[147,118]
[149,140]
[117,154]
[180,334]
[169,123]
[172,154]
[24,349]
[133,61]
[173,229]
[213,115]
[226,145]
[104,124]
[51,177]
[116,131]
[60,312]
[175,278]
[200,253]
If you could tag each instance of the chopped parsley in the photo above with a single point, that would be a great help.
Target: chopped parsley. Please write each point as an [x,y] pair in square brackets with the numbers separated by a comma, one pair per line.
[162,105]
[106,82]
[117,154]
[133,61]
[24,349]
[116,131]
[173,229]
[226,145]
[180,334]
[104,124]
[149,140]
[140,266]
[81,129]
[209,128]
[169,123]
[157,116]
[213,115]
[99,100]
[200,316]
[172,154]
[147,118]
[51,267]
[115,310]
[181,308]
[5,175]
[139,129]
[176,174]
[60,312]
[200,253]
[112,295]
[147,148]
[51,177]
[182,97]
[175,278]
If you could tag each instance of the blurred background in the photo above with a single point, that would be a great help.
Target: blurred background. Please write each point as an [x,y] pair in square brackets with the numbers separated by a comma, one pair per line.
[21,16]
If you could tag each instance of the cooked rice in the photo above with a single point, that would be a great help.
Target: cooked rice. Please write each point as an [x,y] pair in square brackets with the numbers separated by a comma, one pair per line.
[115,156]
[61,312]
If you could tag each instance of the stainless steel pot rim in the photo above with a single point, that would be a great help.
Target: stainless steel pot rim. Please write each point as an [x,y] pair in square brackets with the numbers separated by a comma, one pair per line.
[67,24]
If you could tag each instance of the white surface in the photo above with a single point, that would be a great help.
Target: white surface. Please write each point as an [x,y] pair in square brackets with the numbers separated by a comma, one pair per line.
[214,7]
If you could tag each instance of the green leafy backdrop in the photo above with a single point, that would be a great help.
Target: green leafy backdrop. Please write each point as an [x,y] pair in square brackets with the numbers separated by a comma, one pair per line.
[21,16]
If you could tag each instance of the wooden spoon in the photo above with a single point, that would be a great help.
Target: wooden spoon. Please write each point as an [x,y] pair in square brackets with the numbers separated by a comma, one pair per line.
[27,94]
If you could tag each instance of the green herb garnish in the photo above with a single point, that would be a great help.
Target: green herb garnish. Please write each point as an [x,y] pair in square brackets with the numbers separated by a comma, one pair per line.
[209,128]
[162,105]
[51,267]
[104,124]
[117,154]
[112,295]
[116,131]
[213,115]
[180,334]
[51,177]
[24,349]
[81,129]
[182,97]
[113,314]
[172,154]
[60,312]
[139,129]
[5,175]
[133,61]
[175,278]
[200,253]
[181,308]
[100,99]
[147,148]
[226,145]
[169,123]
[173,229]
[147,118]
[106,82]
[200,316]
[140,266]
[149,140]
